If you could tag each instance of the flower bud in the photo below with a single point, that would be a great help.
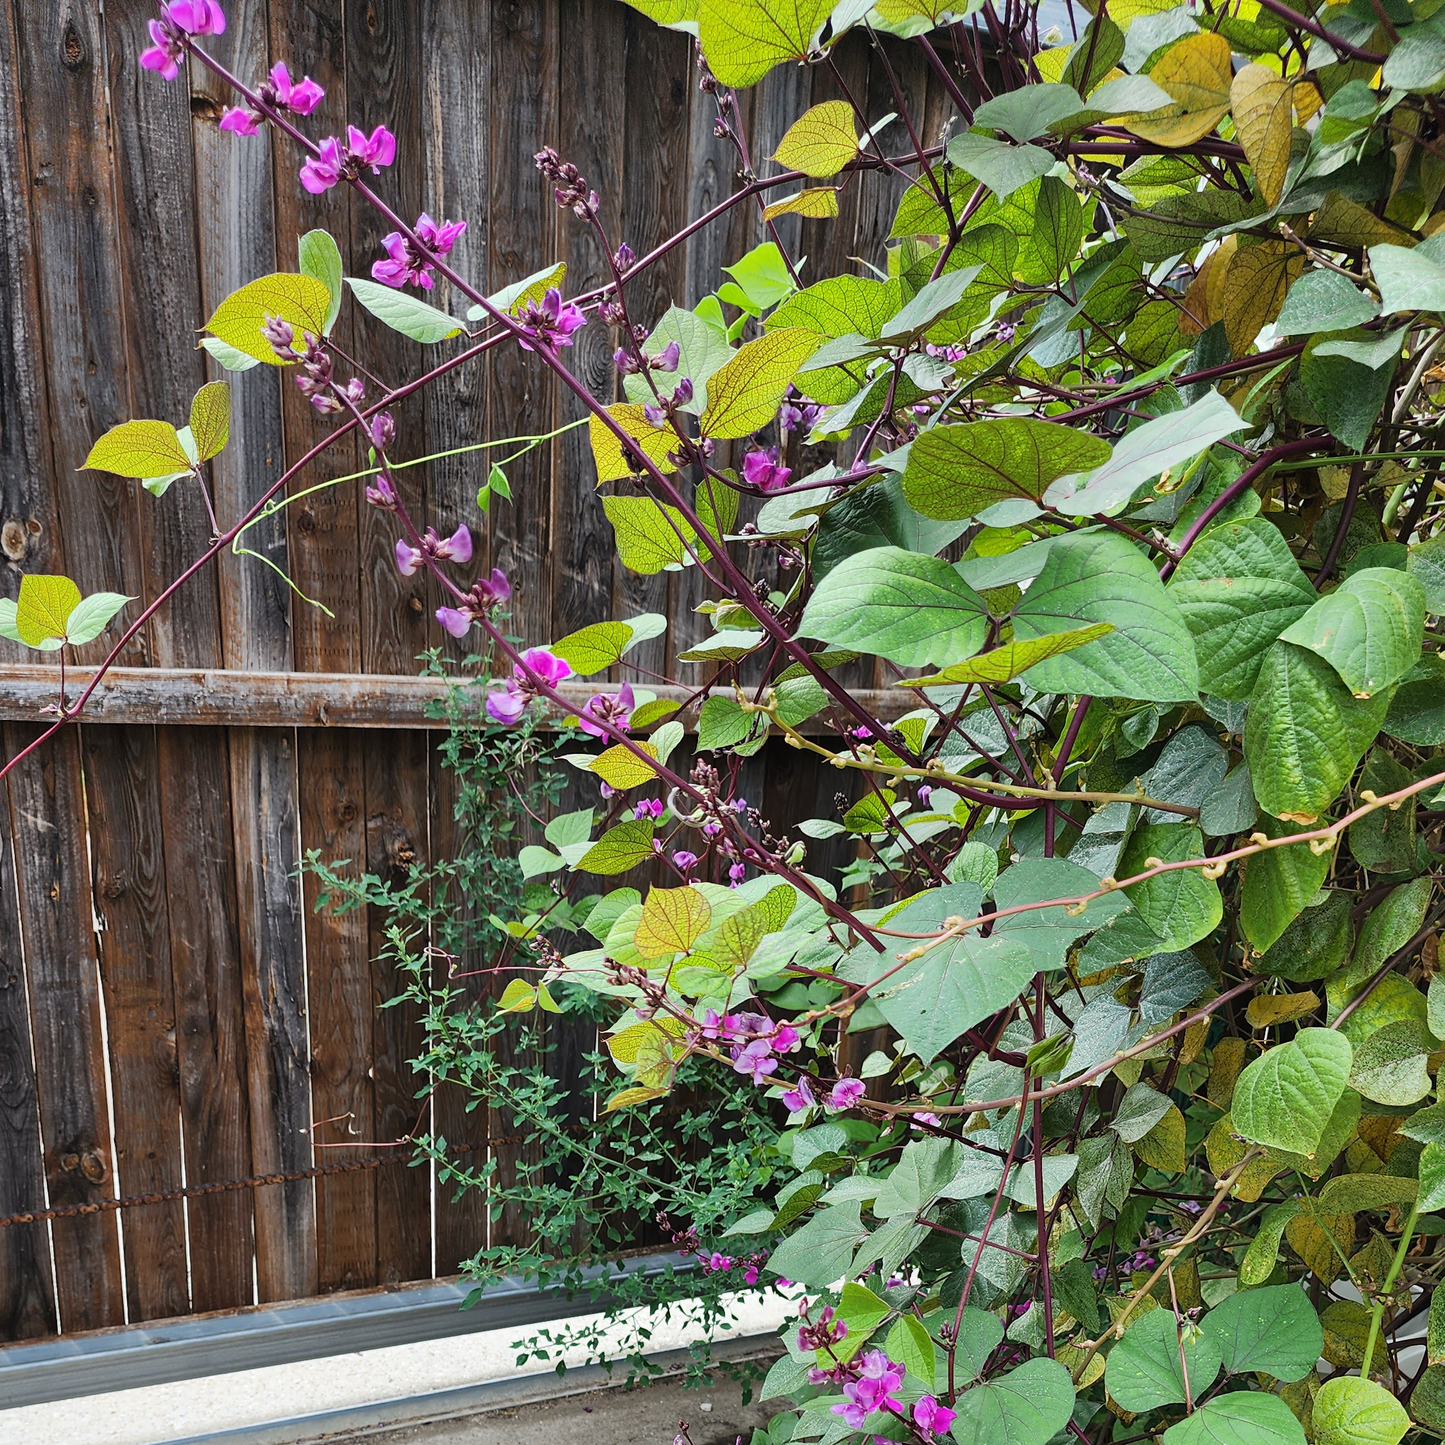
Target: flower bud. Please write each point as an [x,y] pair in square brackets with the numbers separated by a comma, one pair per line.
[383,430]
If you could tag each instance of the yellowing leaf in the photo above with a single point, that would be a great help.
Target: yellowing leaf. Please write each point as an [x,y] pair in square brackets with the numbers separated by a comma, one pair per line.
[545,1001]
[1262,120]
[629,1098]
[613,463]
[649,535]
[673,919]
[44,607]
[1266,1010]
[301,300]
[1320,1240]
[821,141]
[1229,1056]
[1013,658]
[817,204]
[1197,73]
[619,767]
[518,997]
[744,39]
[628,1046]
[1224,1151]
[1255,287]
[1347,223]
[139,449]
[211,419]
[1162,1147]
[745,394]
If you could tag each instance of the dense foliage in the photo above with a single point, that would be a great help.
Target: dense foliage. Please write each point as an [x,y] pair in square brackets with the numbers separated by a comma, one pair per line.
[1121,467]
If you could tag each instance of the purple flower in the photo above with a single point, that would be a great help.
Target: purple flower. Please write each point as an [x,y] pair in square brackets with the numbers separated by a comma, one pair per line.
[300,97]
[508,705]
[736,873]
[761,469]
[796,1099]
[410,264]
[383,430]
[684,861]
[716,1263]
[614,708]
[490,592]
[755,1059]
[456,548]
[550,322]
[846,1093]
[931,1417]
[408,559]
[165,52]
[375,150]
[323,171]
[926,1118]
[786,1038]
[667,358]
[280,334]
[241,120]
[197,17]
[383,494]
[625,361]
[623,257]
[797,414]
[459,624]
[873,1391]
[654,414]
[649,808]
[750,1274]
[923,793]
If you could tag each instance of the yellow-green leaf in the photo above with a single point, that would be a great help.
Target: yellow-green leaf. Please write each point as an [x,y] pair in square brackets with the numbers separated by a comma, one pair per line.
[1262,107]
[619,767]
[1162,1147]
[545,1001]
[613,462]
[817,204]
[518,997]
[627,1046]
[673,919]
[745,394]
[649,536]
[1279,1008]
[514,298]
[821,141]
[744,39]
[629,1098]
[140,449]
[44,607]
[1197,73]
[1008,661]
[1254,289]
[301,300]
[211,419]
[619,849]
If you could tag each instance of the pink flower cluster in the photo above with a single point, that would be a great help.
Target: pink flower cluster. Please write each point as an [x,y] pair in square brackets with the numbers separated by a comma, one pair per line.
[931,1417]
[752,1039]
[456,548]
[408,264]
[716,1263]
[335,162]
[487,593]
[551,321]
[874,1389]
[300,97]
[761,469]
[509,704]
[843,1095]
[614,708]
[181,17]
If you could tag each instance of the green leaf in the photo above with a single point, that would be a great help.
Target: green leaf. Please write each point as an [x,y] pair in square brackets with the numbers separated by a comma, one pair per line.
[934,999]
[1369,629]
[1352,1411]
[1012,659]
[841,306]
[604,644]
[1003,168]
[1142,454]
[1274,1330]
[514,298]
[876,516]
[1432,1178]
[933,300]
[1145,1370]
[228,356]
[1285,1097]
[702,349]
[1027,113]
[1278,883]
[821,1252]
[1238,588]
[1324,301]
[722,723]
[1247,1417]
[1389,1066]
[92,615]
[649,535]
[744,395]
[8,627]
[744,39]
[1409,279]
[1259,1259]
[44,607]
[619,849]
[1049,933]
[1027,1406]
[139,449]
[1101,577]
[900,605]
[303,301]
[1350,1193]
[1347,395]
[959,471]
[211,419]
[912,1347]
[403,312]
[320,258]
[1305,732]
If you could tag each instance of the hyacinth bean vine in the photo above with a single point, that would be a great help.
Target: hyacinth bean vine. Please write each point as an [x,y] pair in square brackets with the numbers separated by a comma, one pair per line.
[1121,466]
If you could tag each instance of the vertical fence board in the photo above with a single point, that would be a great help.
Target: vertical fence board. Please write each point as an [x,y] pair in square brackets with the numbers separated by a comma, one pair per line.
[47,821]
[128,868]
[27,1285]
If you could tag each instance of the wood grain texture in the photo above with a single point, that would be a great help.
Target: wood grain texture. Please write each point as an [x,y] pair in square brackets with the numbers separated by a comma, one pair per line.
[27,1283]
[129,877]
[47,822]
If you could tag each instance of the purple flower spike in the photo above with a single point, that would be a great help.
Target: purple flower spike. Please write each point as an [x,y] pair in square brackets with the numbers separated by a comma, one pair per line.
[846,1093]
[615,708]
[551,321]
[754,1059]
[197,17]
[761,469]
[410,264]
[408,558]
[300,97]
[457,623]
[873,1391]
[509,704]
[238,119]
[323,171]
[164,54]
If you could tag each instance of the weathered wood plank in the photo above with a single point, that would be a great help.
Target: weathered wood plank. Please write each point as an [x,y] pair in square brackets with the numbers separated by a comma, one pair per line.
[129,878]
[273,986]
[27,1283]
[47,821]
[338,971]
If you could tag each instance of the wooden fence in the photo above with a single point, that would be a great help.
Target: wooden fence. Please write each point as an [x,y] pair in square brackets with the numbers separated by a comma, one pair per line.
[173,1012]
